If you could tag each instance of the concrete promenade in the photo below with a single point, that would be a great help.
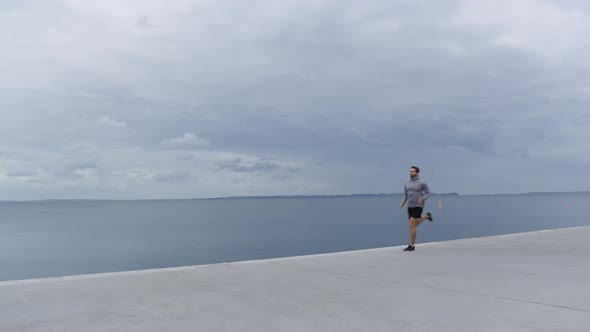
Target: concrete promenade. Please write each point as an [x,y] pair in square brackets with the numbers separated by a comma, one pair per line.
[538,281]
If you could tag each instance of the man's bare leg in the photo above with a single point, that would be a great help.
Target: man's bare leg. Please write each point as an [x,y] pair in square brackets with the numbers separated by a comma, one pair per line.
[414,222]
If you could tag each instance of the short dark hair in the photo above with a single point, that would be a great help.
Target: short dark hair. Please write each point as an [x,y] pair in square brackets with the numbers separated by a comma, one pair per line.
[416,168]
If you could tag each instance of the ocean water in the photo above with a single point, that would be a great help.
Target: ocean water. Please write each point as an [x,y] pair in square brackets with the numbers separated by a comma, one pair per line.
[57,238]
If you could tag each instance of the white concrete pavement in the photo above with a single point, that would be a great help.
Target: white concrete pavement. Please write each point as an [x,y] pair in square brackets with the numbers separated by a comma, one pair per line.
[538,281]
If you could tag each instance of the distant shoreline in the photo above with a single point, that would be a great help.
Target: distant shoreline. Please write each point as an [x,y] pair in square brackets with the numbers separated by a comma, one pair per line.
[291,197]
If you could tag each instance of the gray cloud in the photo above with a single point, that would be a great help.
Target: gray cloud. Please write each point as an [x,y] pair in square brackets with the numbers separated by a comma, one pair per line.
[239,165]
[81,167]
[20,174]
[347,93]
[171,177]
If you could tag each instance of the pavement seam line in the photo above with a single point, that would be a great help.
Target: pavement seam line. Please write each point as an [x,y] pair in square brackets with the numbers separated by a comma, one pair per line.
[434,287]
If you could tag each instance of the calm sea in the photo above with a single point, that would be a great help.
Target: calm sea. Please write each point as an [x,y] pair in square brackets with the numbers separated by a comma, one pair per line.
[57,238]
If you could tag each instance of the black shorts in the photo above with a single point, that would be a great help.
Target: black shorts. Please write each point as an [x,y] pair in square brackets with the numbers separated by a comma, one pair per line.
[415,212]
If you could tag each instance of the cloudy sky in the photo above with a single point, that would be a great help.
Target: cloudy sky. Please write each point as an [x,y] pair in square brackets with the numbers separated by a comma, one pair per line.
[208,98]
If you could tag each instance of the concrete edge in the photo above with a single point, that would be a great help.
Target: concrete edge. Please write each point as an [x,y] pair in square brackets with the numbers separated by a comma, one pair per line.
[256,261]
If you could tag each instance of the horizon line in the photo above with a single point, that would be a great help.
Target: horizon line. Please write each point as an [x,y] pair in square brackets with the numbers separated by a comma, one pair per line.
[285,196]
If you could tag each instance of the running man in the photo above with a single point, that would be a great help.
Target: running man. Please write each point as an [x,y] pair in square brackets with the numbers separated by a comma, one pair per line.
[416,192]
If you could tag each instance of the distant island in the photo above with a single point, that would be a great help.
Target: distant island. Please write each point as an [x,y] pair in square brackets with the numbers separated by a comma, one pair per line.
[539,193]
[323,196]
[399,194]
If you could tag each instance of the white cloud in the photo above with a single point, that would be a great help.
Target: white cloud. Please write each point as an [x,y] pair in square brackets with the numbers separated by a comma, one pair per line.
[106,121]
[188,139]
[547,30]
